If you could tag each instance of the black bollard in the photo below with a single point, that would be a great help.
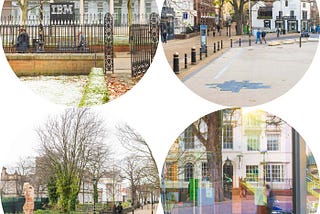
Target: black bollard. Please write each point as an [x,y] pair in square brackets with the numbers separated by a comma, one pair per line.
[193,56]
[249,40]
[214,48]
[239,42]
[231,43]
[185,61]
[221,44]
[176,63]
[200,53]
[218,47]
[300,41]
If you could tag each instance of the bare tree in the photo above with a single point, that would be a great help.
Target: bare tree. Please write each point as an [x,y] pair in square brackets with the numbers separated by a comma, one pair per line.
[69,142]
[132,171]
[24,169]
[140,166]
[98,166]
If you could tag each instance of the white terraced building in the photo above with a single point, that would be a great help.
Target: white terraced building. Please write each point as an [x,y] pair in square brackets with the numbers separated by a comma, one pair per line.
[252,149]
[287,15]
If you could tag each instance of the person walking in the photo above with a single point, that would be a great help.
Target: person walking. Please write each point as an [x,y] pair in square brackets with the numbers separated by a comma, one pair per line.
[278,32]
[270,199]
[258,36]
[81,41]
[263,35]
[120,208]
[164,35]
[22,44]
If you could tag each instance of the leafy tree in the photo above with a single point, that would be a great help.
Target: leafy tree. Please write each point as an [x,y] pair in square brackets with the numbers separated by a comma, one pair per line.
[238,7]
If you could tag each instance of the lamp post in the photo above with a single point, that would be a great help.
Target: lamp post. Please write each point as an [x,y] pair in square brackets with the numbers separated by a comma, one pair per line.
[94,195]
[151,202]
[264,166]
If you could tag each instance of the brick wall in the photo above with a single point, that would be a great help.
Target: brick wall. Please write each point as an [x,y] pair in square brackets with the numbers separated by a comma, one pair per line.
[54,64]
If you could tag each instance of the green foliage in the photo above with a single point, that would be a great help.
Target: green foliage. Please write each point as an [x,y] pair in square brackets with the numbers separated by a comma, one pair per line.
[264,17]
[67,188]
[52,191]
[95,92]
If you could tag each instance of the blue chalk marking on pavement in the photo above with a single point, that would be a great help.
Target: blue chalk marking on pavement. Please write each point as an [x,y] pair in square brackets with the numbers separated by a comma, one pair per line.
[235,86]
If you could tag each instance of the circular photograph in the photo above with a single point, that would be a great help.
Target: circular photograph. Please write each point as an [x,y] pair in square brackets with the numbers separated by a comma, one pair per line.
[79,53]
[73,162]
[240,53]
[231,161]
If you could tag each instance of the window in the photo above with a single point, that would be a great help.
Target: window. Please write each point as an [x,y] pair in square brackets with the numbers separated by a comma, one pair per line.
[253,143]
[265,12]
[252,173]
[274,172]
[188,138]
[280,14]
[188,171]
[273,142]
[304,5]
[304,14]
[291,13]
[86,6]
[100,6]
[172,171]
[205,171]
[227,136]
[148,7]
[286,3]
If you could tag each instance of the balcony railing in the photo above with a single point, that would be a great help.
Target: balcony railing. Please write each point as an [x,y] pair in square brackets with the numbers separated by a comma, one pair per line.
[286,17]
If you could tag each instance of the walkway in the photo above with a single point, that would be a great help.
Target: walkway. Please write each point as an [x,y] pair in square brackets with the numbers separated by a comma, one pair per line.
[247,76]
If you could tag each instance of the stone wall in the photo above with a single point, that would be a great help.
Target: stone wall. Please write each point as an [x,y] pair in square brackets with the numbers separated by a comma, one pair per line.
[54,64]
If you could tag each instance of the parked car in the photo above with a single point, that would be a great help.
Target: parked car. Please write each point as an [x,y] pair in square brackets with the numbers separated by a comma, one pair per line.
[305,33]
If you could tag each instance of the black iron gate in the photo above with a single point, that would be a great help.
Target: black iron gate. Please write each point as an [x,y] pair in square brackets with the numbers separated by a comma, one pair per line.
[108,43]
[144,40]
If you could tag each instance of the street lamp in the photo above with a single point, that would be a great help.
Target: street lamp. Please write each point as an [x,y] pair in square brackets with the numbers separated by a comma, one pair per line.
[228,162]
[94,195]
[264,166]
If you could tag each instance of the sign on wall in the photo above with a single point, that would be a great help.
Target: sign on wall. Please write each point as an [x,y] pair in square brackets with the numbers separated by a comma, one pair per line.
[62,11]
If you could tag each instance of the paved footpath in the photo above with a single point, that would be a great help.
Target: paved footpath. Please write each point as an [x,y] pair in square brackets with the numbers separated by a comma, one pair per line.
[252,75]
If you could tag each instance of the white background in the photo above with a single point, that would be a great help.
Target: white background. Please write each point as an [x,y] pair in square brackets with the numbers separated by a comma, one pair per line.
[159,107]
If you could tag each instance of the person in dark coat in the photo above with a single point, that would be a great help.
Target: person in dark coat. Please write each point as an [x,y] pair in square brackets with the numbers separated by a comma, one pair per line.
[263,35]
[22,44]
[270,199]
[81,41]
[120,208]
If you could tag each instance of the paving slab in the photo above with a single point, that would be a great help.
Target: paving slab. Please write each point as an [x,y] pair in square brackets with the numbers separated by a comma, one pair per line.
[253,75]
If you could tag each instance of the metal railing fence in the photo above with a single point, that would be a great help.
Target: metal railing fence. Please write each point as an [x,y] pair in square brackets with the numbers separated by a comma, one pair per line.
[61,36]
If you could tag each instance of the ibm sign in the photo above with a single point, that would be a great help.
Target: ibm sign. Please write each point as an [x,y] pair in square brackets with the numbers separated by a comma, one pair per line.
[62,11]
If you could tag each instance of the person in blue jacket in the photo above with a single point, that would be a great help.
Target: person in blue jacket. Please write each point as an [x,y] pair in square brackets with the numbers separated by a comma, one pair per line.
[258,36]
[22,44]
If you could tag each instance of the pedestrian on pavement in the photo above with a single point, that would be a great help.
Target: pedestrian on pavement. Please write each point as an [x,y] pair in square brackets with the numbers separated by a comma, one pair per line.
[270,199]
[164,35]
[258,36]
[120,208]
[278,32]
[263,35]
[213,31]
[22,44]
[81,41]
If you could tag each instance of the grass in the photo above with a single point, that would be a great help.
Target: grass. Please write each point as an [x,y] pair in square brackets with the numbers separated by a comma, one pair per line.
[96,91]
